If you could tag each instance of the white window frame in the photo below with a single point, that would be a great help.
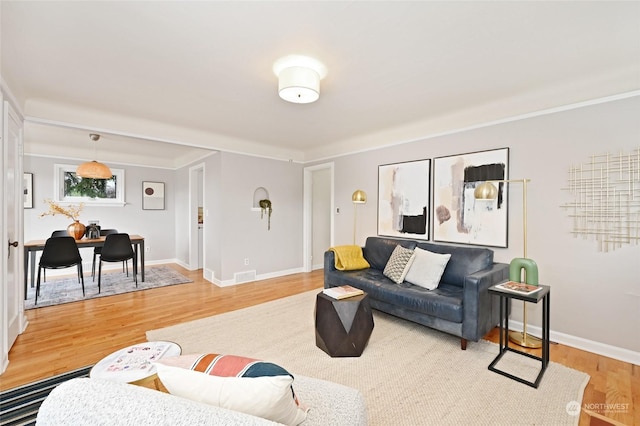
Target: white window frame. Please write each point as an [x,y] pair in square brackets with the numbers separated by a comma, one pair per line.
[58,188]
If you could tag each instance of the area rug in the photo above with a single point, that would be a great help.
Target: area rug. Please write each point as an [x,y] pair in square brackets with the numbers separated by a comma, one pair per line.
[409,374]
[19,406]
[65,290]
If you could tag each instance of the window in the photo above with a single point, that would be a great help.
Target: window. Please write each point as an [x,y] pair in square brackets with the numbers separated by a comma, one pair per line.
[71,188]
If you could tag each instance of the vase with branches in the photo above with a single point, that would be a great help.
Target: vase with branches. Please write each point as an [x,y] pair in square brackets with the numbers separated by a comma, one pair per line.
[76,229]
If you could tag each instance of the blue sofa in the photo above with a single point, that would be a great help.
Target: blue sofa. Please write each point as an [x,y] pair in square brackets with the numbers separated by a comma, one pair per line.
[461,305]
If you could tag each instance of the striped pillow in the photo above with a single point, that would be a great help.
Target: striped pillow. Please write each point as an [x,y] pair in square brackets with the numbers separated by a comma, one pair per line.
[398,264]
[236,366]
[238,383]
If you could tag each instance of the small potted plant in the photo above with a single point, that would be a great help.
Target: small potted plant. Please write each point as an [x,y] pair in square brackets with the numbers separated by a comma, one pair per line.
[265,207]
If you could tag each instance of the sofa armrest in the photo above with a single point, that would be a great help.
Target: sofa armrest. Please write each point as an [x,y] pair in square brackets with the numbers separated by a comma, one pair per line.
[329,261]
[481,310]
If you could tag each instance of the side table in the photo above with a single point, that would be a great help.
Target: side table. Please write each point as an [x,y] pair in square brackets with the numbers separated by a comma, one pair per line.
[544,294]
[343,326]
[133,364]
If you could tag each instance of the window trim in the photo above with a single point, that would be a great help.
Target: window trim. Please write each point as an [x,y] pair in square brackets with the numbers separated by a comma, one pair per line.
[58,188]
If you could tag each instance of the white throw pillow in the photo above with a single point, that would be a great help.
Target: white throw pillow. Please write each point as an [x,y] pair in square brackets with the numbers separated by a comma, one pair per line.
[398,264]
[267,396]
[427,268]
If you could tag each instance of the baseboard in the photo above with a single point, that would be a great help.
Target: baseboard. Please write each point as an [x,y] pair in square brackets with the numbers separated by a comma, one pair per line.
[258,277]
[4,363]
[603,349]
[183,264]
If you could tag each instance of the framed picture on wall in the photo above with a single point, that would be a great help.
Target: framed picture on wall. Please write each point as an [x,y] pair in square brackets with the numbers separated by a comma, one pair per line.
[27,190]
[457,216]
[403,199]
[152,195]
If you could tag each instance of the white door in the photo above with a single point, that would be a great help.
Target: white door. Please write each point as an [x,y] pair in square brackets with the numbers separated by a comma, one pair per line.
[11,296]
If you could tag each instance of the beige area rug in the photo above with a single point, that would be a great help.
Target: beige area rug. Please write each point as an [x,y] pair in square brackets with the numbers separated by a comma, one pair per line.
[409,374]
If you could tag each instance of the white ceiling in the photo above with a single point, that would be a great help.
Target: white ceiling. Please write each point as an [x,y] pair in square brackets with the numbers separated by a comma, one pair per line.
[198,74]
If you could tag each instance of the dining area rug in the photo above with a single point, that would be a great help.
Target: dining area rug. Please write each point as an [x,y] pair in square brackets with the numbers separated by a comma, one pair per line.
[56,291]
[408,374]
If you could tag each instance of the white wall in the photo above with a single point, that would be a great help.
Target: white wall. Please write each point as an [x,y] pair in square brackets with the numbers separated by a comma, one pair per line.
[233,231]
[595,295]
[156,226]
[181,225]
[244,235]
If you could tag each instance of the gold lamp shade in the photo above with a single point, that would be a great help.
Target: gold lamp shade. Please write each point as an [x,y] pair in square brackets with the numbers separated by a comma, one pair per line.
[486,191]
[359,197]
[94,170]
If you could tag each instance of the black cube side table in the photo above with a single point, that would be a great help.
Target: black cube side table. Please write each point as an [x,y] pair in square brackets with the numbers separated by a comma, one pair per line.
[544,294]
[343,327]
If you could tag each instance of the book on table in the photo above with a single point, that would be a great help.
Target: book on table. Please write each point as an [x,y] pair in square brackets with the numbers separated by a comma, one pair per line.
[520,288]
[138,357]
[342,292]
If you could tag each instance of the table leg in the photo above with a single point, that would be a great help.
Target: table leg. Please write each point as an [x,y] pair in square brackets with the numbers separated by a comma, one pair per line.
[545,330]
[32,261]
[502,315]
[506,327]
[142,260]
[25,260]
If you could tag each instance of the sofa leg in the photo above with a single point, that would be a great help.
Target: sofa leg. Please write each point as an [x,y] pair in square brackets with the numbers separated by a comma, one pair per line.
[463,344]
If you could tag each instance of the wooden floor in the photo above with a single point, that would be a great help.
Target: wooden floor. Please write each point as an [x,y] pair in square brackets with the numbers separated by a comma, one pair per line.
[65,337]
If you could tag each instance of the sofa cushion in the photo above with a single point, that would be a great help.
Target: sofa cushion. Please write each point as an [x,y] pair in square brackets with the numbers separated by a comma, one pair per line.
[427,268]
[378,250]
[464,261]
[444,302]
[237,383]
[398,264]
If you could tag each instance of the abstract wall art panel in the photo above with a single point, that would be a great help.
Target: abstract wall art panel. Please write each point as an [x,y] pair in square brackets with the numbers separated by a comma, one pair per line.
[152,196]
[605,199]
[403,199]
[457,216]
[27,190]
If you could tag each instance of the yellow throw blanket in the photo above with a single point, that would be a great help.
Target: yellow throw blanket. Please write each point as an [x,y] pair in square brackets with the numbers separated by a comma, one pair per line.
[349,258]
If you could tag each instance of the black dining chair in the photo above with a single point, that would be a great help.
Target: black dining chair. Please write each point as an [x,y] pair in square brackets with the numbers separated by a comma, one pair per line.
[58,233]
[117,248]
[60,253]
[97,250]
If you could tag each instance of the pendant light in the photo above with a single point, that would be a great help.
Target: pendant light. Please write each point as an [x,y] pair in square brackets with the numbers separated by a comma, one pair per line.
[94,169]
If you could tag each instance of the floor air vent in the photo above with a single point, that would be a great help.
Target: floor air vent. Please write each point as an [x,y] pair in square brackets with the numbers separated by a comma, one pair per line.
[243,277]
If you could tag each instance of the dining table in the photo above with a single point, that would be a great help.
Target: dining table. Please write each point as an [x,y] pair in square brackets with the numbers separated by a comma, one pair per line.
[33,246]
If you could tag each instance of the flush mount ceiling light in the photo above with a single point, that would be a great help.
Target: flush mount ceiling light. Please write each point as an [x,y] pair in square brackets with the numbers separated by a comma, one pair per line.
[94,169]
[299,78]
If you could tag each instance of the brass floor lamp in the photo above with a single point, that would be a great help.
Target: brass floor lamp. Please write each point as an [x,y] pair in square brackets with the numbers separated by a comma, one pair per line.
[488,191]
[358,197]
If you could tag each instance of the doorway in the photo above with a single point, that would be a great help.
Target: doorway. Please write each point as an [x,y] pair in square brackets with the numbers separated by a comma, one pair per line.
[196,217]
[318,221]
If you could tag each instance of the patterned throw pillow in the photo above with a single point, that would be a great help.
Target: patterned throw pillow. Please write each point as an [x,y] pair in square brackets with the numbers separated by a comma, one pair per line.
[242,384]
[398,264]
